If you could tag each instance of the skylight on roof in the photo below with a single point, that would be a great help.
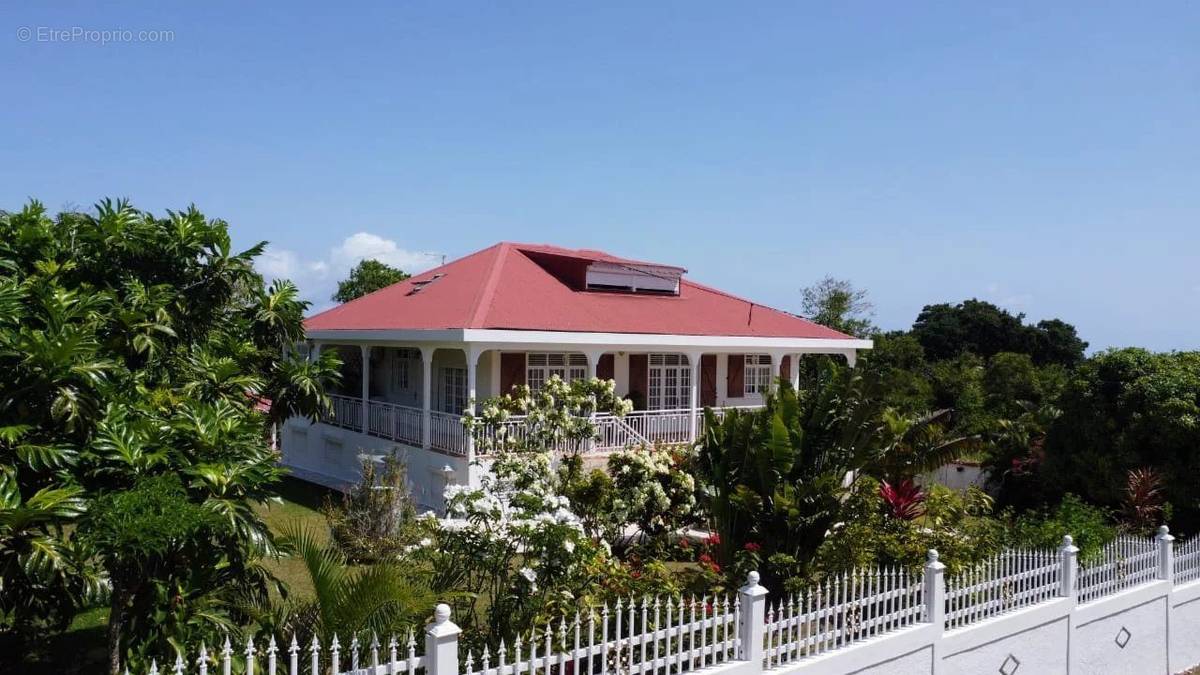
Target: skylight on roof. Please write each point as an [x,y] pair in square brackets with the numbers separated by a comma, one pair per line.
[418,286]
[633,278]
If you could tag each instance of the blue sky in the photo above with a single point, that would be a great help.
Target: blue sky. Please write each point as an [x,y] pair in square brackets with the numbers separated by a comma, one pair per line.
[1044,156]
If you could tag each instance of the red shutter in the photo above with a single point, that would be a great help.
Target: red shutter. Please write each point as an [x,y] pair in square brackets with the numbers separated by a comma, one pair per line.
[708,380]
[787,369]
[639,373]
[605,369]
[512,371]
[735,386]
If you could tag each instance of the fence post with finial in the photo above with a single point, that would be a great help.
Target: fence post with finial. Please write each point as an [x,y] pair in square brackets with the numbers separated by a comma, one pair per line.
[753,597]
[935,590]
[1068,553]
[441,643]
[1166,553]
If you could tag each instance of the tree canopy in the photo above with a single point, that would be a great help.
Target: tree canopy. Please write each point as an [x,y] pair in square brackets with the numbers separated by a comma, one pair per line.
[981,328]
[836,303]
[136,347]
[367,276]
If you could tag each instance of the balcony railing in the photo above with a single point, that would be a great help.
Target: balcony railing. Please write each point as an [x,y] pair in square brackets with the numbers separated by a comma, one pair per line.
[446,433]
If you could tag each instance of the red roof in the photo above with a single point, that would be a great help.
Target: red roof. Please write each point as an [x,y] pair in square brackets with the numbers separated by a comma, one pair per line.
[536,287]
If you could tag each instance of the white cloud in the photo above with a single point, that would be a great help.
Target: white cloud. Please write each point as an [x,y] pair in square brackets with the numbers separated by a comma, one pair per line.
[317,279]
[1005,298]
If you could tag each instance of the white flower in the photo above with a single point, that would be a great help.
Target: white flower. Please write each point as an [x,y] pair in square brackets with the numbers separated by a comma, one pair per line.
[529,574]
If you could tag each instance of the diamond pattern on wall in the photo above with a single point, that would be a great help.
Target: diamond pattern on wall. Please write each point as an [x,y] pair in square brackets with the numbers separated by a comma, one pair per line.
[1010,665]
[1123,637]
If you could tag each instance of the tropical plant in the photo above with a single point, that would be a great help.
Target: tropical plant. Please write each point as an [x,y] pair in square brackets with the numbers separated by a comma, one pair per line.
[376,519]
[959,525]
[910,445]
[1144,505]
[904,501]
[389,597]
[777,476]
[136,347]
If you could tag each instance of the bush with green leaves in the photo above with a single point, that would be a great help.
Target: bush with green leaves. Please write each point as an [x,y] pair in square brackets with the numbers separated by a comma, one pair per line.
[134,347]
[1090,526]
[376,518]
[959,525]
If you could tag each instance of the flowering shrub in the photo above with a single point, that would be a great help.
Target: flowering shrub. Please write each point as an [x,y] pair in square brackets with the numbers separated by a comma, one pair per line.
[652,490]
[514,544]
[558,417]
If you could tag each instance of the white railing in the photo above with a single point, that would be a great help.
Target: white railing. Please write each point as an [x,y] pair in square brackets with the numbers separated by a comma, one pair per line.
[1123,563]
[404,423]
[1010,581]
[840,611]
[615,433]
[663,635]
[662,426]
[396,422]
[446,433]
[1187,560]
[345,412]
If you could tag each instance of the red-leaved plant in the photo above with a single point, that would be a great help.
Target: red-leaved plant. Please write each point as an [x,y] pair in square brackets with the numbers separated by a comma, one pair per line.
[1144,499]
[904,501]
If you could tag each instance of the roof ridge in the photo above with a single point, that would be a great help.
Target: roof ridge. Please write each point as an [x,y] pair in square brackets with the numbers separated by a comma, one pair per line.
[484,299]
[717,291]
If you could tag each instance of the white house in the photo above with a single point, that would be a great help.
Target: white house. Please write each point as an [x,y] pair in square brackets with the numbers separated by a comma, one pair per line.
[519,314]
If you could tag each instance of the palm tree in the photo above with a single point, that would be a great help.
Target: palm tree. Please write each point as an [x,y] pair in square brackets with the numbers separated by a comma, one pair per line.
[386,598]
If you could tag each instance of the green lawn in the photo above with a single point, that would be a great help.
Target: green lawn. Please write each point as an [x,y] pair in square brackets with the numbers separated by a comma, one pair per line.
[301,505]
[81,649]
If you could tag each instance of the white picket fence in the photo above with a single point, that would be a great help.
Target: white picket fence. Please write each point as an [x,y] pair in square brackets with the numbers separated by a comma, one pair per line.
[1012,580]
[1123,563]
[669,634]
[840,611]
[672,635]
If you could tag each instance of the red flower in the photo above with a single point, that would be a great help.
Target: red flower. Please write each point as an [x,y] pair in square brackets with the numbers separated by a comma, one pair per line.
[714,539]
[684,543]
[752,546]
[705,558]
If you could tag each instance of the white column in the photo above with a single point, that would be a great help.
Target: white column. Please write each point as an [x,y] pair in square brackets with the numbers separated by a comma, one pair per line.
[796,371]
[935,591]
[315,352]
[777,361]
[472,365]
[441,643]
[366,385]
[426,393]
[593,359]
[754,619]
[693,395]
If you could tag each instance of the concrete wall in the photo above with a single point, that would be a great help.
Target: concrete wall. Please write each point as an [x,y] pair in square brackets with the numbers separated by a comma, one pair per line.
[1153,628]
[330,456]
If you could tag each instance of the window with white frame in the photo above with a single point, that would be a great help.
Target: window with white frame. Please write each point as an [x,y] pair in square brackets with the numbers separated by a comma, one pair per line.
[670,382]
[453,390]
[401,367]
[540,367]
[756,377]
